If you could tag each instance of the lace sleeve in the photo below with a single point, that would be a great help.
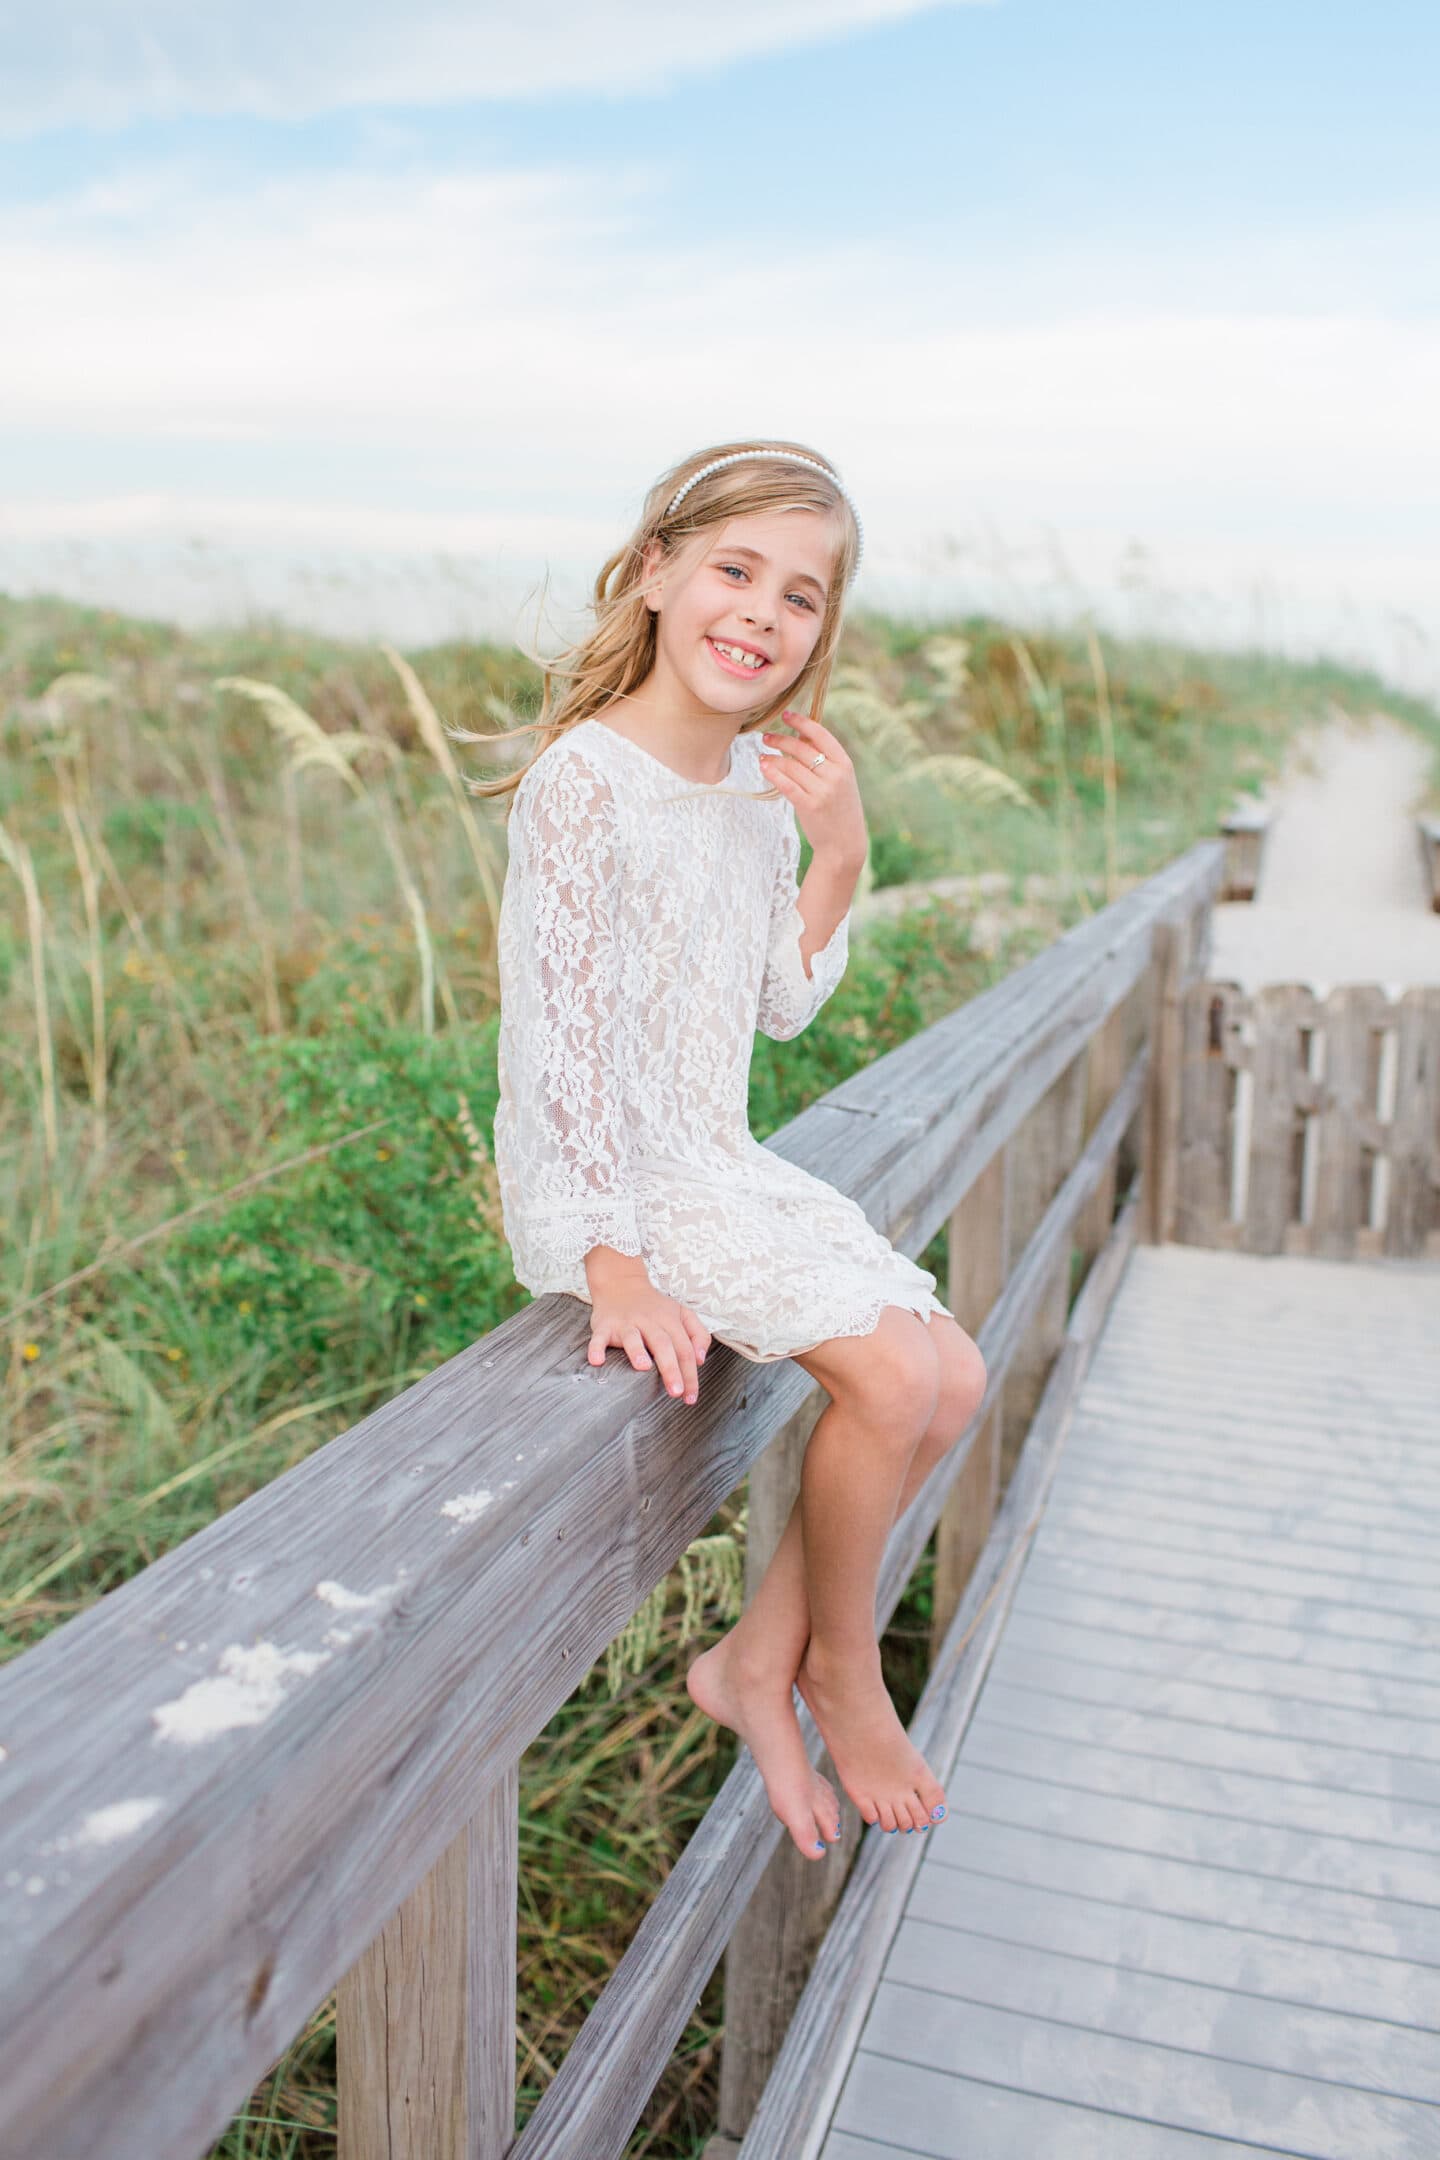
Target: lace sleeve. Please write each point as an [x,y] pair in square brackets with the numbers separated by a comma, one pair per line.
[789,998]
[560,1129]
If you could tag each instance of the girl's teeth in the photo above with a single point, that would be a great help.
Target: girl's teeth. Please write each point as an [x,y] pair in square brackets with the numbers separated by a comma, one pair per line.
[744,659]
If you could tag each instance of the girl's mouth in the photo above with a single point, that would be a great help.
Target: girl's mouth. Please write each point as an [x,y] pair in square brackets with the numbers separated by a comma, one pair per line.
[746,669]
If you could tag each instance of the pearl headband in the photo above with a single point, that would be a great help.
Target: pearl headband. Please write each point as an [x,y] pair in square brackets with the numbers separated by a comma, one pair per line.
[794,457]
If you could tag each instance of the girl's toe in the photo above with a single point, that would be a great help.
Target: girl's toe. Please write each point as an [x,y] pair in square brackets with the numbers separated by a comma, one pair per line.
[930,1795]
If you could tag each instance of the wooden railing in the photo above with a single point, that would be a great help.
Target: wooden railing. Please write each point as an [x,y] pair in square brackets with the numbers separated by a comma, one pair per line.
[1311,1125]
[285,1756]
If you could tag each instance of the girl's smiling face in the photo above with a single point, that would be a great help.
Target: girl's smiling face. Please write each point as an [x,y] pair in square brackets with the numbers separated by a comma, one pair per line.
[757,587]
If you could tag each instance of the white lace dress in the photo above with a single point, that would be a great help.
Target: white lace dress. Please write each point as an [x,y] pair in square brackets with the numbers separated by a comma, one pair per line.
[648,927]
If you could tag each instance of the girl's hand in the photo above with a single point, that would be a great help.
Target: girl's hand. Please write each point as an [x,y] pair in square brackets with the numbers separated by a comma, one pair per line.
[630,1313]
[827,802]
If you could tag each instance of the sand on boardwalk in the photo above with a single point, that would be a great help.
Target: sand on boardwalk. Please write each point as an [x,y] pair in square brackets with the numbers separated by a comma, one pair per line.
[1342,895]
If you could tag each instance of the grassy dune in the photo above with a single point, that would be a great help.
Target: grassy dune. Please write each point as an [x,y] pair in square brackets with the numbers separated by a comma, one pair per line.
[247,1084]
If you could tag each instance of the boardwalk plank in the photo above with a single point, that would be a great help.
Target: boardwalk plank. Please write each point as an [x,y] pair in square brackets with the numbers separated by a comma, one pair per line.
[1154,1585]
[966,2119]
[1160,2084]
[1165,1492]
[1121,1456]
[1174,1694]
[1122,1616]
[1269,1575]
[1105,1648]
[1361,1557]
[1244,2026]
[1214,1952]
[1245,1796]
[1150,1731]
[1119,1854]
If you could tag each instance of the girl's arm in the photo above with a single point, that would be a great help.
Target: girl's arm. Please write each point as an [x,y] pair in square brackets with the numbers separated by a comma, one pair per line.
[791,992]
[563,1026]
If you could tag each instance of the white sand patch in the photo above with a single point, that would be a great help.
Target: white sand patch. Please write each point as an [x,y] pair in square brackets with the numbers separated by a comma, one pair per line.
[121,1819]
[468,1507]
[107,1825]
[336,1594]
[251,1683]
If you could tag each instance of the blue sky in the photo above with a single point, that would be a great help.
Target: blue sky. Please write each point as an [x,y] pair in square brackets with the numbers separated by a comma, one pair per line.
[332,289]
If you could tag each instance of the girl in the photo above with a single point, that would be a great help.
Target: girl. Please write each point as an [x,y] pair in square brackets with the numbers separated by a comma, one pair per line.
[651,921]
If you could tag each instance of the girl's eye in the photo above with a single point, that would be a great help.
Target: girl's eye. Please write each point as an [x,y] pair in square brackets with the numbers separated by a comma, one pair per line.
[804,602]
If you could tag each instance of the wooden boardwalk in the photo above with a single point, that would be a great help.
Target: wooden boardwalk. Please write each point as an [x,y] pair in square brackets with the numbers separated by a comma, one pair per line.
[1187,1903]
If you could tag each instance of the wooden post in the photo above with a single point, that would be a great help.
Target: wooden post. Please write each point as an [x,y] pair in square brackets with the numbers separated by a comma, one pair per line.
[979,1261]
[1413,1221]
[773,1943]
[1037,1159]
[1162,1096]
[1284,1014]
[1212,1017]
[425,2019]
[1105,1062]
[1351,1016]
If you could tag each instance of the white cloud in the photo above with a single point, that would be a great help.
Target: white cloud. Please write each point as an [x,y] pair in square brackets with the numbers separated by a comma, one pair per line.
[106,63]
[509,325]
[497,363]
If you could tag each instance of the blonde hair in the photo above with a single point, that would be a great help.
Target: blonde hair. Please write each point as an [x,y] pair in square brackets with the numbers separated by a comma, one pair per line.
[619,652]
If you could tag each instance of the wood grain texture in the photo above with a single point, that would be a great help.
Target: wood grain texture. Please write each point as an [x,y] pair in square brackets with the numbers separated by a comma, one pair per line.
[1105,1062]
[1170,957]
[425,2020]
[1043,1151]
[979,1261]
[1413,1227]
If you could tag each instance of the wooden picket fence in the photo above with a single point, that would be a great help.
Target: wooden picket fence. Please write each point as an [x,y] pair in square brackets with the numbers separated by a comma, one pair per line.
[1310,1124]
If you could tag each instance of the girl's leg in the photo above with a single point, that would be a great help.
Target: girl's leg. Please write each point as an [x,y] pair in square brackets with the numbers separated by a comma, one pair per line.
[861,1472]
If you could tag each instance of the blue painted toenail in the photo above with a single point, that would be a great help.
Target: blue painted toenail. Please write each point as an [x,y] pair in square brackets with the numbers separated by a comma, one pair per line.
[819,1847]
[938,1813]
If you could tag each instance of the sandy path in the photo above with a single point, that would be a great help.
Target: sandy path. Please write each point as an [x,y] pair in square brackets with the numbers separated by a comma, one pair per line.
[1342,896]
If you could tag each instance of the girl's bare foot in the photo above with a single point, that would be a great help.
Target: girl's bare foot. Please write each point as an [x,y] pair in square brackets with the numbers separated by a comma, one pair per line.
[879,1765]
[760,1708]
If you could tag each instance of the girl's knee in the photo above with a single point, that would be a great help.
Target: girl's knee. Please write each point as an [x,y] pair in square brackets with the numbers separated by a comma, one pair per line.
[901,1377]
[961,1383]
